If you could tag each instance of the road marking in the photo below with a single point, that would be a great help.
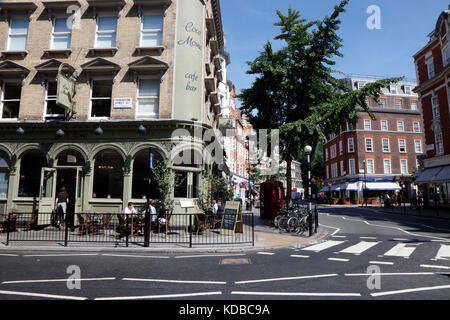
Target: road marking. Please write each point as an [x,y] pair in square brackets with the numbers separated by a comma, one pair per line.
[399,239]
[337,229]
[339,259]
[298,256]
[381,262]
[368,238]
[339,236]
[180,295]
[303,294]
[444,252]
[400,250]
[288,278]
[322,246]
[175,281]
[433,266]
[31,294]
[9,255]
[61,255]
[391,274]
[378,294]
[133,256]
[211,255]
[360,247]
[268,253]
[57,280]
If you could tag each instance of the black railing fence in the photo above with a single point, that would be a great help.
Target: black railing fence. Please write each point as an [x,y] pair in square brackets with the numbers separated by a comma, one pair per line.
[188,229]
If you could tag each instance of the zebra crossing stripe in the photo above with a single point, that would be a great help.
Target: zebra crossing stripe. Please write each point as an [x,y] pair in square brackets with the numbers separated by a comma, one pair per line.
[360,247]
[400,250]
[322,246]
[444,252]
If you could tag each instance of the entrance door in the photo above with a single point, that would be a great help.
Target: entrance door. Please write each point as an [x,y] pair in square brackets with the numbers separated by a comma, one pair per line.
[70,178]
[47,194]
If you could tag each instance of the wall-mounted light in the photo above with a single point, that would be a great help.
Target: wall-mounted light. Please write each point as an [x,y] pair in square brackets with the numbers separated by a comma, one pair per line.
[142,129]
[20,131]
[98,131]
[60,133]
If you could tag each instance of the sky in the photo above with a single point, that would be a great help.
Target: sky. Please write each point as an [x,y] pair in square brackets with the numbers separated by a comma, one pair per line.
[384,52]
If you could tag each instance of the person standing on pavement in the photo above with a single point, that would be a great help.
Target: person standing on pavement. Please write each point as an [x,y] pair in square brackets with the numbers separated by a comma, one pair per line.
[413,199]
[61,202]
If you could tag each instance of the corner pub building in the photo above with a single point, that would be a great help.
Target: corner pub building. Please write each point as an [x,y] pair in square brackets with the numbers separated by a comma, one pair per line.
[145,69]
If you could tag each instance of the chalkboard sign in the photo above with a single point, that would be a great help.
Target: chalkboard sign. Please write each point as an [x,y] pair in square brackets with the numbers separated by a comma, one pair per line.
[231,218]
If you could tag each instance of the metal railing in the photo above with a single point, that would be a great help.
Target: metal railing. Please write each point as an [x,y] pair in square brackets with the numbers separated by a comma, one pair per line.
[123,230]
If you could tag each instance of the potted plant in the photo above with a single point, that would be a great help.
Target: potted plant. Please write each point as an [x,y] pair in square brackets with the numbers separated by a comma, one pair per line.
[347,201]
[340,201]
[355,201]
[333,200]
[373,200]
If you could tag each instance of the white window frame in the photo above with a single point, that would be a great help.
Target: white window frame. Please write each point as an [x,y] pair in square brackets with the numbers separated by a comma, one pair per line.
[400,146]
[47,99]
[2,101]
[384,128]
[446,54]
[438,138]
[373,166]
[401,166]
[388,144]
[153,13]
[106,31]
[351,166]
[326,154]
[416,104]
[371,144]
[430,71]
[367,125]
[147,115]
[102,98]
[350,146]
[416,127]
[402,126]
[418,150]
[407,89]
[389,167]
[69,34]
[328,172]
[342,167]
[340,148]
[396,104]
[17,34]
[393,89]
[435,107]
[383,105]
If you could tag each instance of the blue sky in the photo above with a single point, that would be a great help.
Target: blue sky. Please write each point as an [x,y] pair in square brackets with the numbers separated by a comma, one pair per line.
[405,24]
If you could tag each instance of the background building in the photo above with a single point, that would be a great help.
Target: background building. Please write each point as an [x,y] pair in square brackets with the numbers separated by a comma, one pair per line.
[146,69]
[376,155]
[433,71]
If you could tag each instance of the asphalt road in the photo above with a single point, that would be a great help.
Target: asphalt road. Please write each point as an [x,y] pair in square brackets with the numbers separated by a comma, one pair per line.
[368,255]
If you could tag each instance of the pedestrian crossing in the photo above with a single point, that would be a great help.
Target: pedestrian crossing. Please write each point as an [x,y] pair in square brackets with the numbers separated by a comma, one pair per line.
[381,248]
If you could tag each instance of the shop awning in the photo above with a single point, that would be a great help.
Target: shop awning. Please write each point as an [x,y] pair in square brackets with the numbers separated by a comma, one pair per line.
[443,175]
[335,188]
[382,186]
[429,175]
[352,187]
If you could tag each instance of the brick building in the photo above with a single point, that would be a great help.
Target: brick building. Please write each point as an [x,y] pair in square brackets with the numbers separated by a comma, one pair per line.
[145,69]
[374,156]
[433,71]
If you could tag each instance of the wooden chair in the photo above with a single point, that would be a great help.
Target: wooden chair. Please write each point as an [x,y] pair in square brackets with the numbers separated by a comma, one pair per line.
[215,220]
[30,224]
[166,224]
[86,225]
[104,223]
[202,222]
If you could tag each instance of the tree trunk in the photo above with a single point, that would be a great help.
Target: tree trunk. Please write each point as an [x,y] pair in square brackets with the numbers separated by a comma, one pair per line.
[288,181]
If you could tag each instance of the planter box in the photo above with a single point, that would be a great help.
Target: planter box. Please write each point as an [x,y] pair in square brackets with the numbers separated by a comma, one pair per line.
[355,202]
[374,201]
[347,202]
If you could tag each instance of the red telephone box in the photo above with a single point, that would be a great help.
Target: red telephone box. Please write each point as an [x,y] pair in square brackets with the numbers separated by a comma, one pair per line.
[272,198]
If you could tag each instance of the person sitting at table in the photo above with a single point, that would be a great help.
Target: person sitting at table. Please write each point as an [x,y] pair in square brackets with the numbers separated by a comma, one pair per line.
[215,207]
[130,209]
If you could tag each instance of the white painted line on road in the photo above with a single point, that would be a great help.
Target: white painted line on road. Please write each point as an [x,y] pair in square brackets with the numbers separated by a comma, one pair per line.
[303,294]
[440,240]
[399,239]
[180,295]
[339,259]
[174,281]
[288,278]
[339,236]
[378,294]
[57,280]
[337,229]
[324,245]
[9,255]
[360,247]
[61,255]
[268,253]
[400,250]
[368,238]
[31,294]
[433,266]
[298,256]
[134,256]
[211,255]
[381,262]
[444,252]
[391,274]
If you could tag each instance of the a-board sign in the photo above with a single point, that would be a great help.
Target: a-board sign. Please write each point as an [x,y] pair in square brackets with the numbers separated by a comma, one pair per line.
[232,218]
[186,204]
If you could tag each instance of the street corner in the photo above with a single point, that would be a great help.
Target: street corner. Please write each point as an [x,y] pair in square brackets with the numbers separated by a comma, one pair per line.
[277,240]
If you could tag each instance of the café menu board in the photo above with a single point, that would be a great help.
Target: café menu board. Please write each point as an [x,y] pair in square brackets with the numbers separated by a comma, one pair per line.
[189,46]
[232,218]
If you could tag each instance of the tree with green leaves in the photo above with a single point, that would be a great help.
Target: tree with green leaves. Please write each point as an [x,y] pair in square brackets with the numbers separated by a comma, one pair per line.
[165,179]
[295,90]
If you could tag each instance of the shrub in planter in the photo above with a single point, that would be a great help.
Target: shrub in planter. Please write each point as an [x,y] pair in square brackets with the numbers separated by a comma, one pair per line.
[355,201]
[340,201]
[333,200]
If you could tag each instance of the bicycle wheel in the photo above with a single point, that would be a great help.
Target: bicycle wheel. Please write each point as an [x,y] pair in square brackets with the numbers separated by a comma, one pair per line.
[302,225]
[293,223]
[276,221]
[283,223]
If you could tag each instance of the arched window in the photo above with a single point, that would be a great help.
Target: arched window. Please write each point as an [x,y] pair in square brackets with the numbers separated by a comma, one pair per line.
[142,187]
[30,173]
[70,158]
[108,175]
[4,175]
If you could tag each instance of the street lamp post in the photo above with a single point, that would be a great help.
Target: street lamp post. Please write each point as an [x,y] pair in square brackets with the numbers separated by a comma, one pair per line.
[365,184]
[308,150]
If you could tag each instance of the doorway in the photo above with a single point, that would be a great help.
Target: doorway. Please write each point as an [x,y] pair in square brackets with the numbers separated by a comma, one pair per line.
[67,177]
